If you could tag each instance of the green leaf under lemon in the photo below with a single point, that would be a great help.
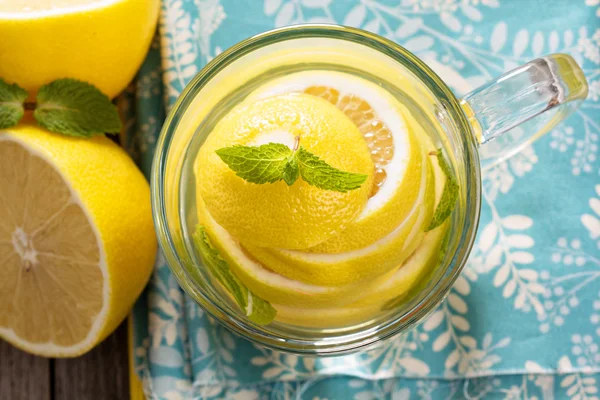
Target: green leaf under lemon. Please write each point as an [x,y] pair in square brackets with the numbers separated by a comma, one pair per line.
[273,162]
[76,108]
[449,195]
[12,98]
[255,308]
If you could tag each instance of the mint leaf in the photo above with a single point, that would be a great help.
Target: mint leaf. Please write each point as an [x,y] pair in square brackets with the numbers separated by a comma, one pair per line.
[449,195]
[76,108]
[291,172]
[11,104]
[257,164]
[255,308]
[317,172]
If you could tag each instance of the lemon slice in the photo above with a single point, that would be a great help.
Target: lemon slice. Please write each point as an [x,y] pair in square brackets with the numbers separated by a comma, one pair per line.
[357,265]
[77,243]
[102,42]
[275,214]
[326,318]
[389,130]
[272,286]
[423,259]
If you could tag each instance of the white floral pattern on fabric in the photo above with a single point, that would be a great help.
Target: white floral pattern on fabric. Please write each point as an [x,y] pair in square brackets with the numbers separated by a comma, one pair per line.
[523,320]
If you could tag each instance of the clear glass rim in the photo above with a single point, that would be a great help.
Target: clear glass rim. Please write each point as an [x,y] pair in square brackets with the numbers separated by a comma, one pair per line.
[352,341]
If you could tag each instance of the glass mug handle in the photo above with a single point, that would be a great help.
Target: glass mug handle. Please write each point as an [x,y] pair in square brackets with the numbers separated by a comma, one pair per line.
[523,104]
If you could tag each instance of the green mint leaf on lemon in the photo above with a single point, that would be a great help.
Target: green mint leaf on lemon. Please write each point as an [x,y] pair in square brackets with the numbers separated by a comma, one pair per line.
[12,98]
[76,108]
[273,162]
[449,195]
[257,164]
[317,172]
[255,308]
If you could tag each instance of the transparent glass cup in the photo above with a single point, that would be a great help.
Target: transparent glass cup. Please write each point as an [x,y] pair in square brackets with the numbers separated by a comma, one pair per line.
[484,127]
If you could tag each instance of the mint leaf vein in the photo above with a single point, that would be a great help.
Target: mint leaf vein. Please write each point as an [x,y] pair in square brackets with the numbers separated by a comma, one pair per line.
[257,164]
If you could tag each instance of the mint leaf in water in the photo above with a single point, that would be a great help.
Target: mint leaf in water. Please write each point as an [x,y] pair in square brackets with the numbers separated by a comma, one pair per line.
[76,108]
[318,173]
[255,308]
[273,162]
[257,164]
[449,195]
[12,98]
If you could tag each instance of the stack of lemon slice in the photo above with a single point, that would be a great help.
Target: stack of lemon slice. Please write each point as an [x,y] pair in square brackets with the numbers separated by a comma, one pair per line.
[325,258]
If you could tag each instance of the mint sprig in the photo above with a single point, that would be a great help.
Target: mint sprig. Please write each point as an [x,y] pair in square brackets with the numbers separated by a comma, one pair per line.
[274,162]
[254,307]
[76,108]
[12,109]
[66,106]
[449,195]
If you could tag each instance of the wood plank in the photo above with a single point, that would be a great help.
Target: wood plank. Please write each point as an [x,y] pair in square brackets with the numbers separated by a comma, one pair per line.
[23,376]
[103,373]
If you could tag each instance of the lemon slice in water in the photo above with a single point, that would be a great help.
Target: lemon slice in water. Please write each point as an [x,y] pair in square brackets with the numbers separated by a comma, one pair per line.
[275,214]
[271,286]
[390,133]
[357,265]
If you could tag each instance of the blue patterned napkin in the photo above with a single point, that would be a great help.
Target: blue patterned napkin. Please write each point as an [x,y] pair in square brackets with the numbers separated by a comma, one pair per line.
[523,321]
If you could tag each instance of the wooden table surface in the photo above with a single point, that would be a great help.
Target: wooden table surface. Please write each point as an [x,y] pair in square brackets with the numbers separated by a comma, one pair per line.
[103,373]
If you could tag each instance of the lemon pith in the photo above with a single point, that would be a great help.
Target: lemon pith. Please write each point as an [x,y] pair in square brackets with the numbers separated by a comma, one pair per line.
[68,213]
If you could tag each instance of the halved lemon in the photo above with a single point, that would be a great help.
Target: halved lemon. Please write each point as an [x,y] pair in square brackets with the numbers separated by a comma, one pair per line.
[102,42]
[389,130]
[77,243]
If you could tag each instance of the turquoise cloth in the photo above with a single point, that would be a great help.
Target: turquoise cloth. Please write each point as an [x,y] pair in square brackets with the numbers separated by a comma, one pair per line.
[523,320]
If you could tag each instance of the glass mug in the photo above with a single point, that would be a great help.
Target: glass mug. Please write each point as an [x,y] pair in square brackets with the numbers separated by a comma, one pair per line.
[484,127]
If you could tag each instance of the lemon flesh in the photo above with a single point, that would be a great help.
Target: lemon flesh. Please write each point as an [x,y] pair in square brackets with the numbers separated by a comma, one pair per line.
[77,243]
[275,214]
[102,42]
